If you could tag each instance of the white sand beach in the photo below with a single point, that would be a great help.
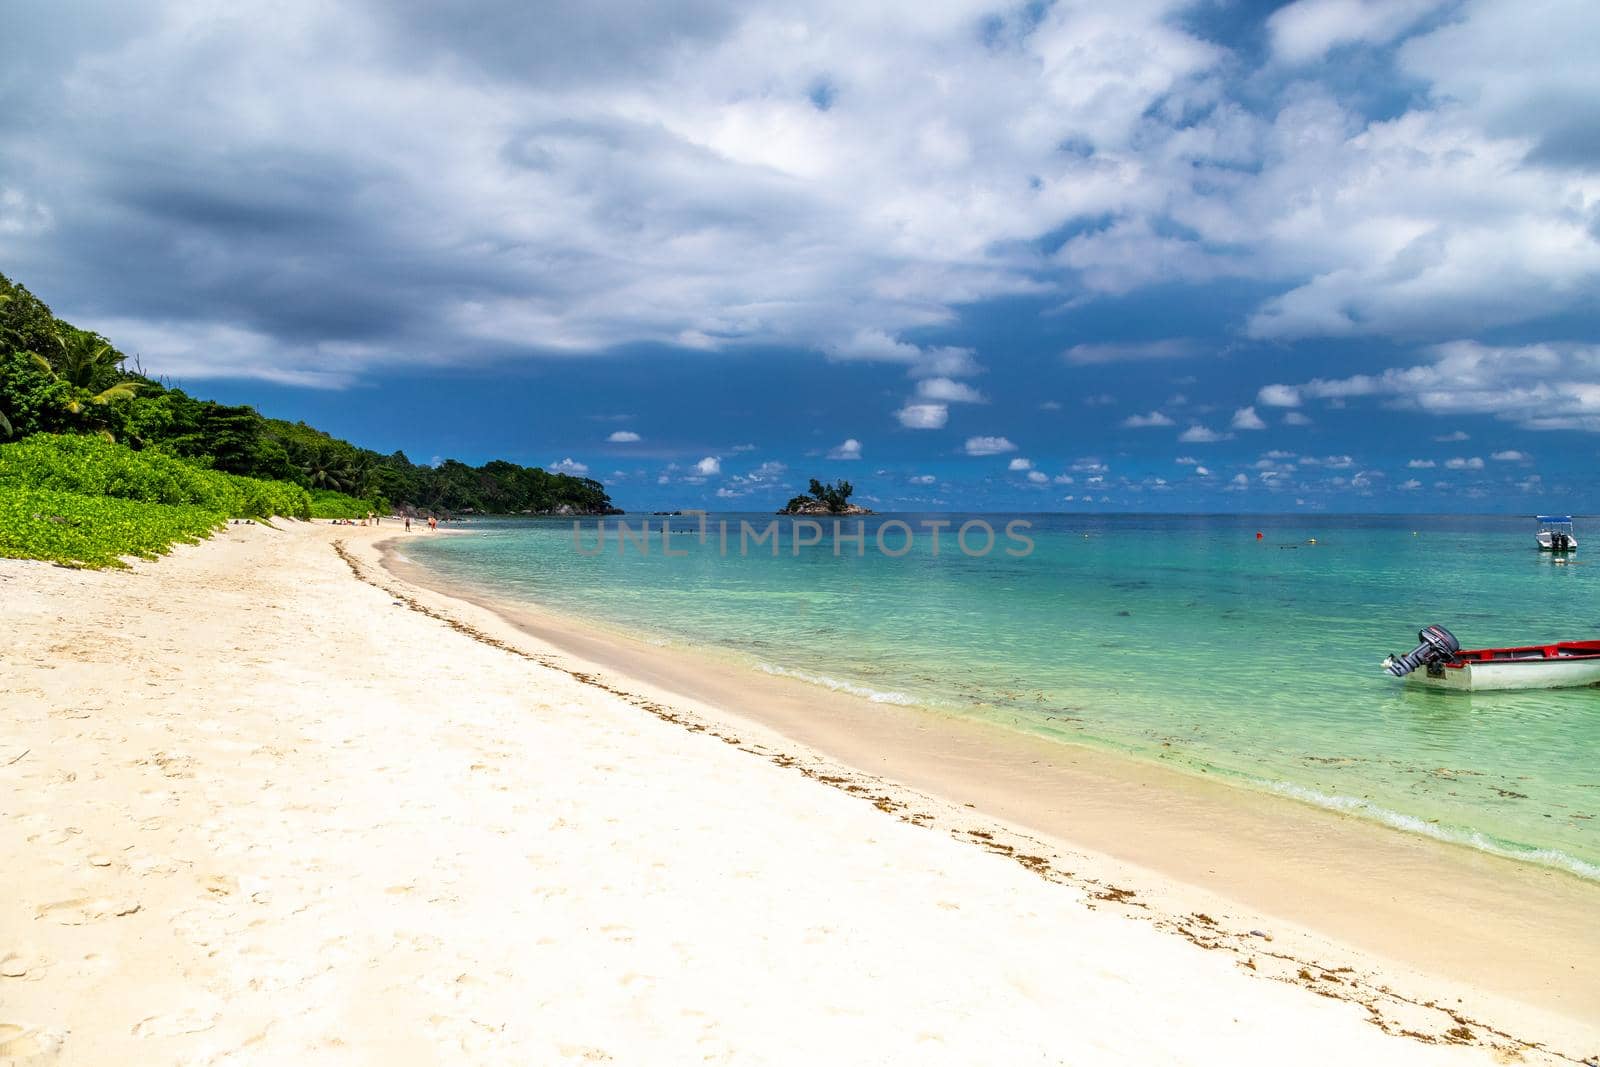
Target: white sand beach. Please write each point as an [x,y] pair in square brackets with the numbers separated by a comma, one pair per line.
[257,810]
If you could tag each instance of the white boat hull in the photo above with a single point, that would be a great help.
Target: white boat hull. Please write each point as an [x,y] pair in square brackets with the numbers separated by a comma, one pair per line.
[1512,674]
[1545,544]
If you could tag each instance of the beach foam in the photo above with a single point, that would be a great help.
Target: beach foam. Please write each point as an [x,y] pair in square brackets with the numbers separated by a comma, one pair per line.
[1547,857]
[877,696]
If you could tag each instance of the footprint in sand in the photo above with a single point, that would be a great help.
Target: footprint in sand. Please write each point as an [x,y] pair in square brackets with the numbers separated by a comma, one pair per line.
[29,1044]
[22,965]
[176,1025]
[220,885]
[81,910]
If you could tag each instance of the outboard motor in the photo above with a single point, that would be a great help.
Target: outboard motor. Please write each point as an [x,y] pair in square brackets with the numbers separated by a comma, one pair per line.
[1439,646]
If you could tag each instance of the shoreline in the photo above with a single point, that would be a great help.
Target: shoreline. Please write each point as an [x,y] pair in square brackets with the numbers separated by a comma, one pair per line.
[268,803]
[613,636]
[1481,922]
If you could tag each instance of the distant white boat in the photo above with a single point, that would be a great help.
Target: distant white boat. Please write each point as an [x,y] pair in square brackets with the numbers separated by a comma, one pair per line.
[1556,533]
[1440,662]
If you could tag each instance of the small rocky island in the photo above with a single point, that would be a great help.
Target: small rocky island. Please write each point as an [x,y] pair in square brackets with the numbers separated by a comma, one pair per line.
[829,499]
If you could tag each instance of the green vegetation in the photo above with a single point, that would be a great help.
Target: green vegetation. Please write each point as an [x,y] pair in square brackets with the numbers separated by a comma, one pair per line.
[94,531]
[93,466]
[98,461]
[55,378]
[85,501]
[825,497]
[329,504]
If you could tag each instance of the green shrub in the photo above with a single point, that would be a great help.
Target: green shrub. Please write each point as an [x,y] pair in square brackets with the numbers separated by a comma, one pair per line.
[86,502]
[264,499]
[94,531]
[327,504]
[93,466]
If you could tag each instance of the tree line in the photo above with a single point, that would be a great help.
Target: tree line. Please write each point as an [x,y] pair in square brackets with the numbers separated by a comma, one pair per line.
[56,378]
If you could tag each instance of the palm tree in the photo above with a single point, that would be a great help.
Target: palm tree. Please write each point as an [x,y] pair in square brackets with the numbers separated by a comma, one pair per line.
[87,362]
[325,469]
[358,474]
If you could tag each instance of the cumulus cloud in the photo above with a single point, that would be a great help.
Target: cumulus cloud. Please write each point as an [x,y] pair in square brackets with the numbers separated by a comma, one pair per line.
[1552,386]
[1038,477]
[762,477]
[708,466]
[1278,396]
[1522,71]
[1019,463]
[923,416]
[1453,437]
[1410,484]
[569,466]
[1129,352]
[518,181]
[948,391]
[1464,463]
[560,178]
[1200,435]
[1304,31]
[922,479]
[624,437]
[1154,418]
[1510,455]
[1421,464]
[313,196]
[849,448]
[1247,419]
[988,446]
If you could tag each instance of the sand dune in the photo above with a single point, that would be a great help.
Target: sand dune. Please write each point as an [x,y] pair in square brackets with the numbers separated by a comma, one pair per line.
[258,811]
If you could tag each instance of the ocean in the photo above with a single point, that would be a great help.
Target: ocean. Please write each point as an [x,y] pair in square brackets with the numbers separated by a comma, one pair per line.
[1186,640]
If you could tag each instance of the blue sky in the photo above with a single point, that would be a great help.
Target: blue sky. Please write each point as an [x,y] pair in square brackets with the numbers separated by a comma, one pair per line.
[1331,255]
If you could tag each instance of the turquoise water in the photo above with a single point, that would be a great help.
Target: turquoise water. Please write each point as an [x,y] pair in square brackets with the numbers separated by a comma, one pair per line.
[1181,639]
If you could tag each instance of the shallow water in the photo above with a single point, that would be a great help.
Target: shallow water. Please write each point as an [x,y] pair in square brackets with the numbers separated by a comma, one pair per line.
[1177,638]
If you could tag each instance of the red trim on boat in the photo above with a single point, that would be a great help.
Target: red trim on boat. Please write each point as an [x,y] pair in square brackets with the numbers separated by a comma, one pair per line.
[1564,651]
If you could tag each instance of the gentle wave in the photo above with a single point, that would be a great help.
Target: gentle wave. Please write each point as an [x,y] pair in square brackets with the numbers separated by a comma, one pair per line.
[874,695]
[1547,857]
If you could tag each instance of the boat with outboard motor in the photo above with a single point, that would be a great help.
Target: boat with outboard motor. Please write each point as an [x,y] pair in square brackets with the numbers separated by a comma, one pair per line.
[1556,533]
[1441,663]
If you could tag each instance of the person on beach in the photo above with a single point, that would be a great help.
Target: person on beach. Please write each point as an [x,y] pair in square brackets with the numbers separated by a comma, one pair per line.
[408,524]
[433,524]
